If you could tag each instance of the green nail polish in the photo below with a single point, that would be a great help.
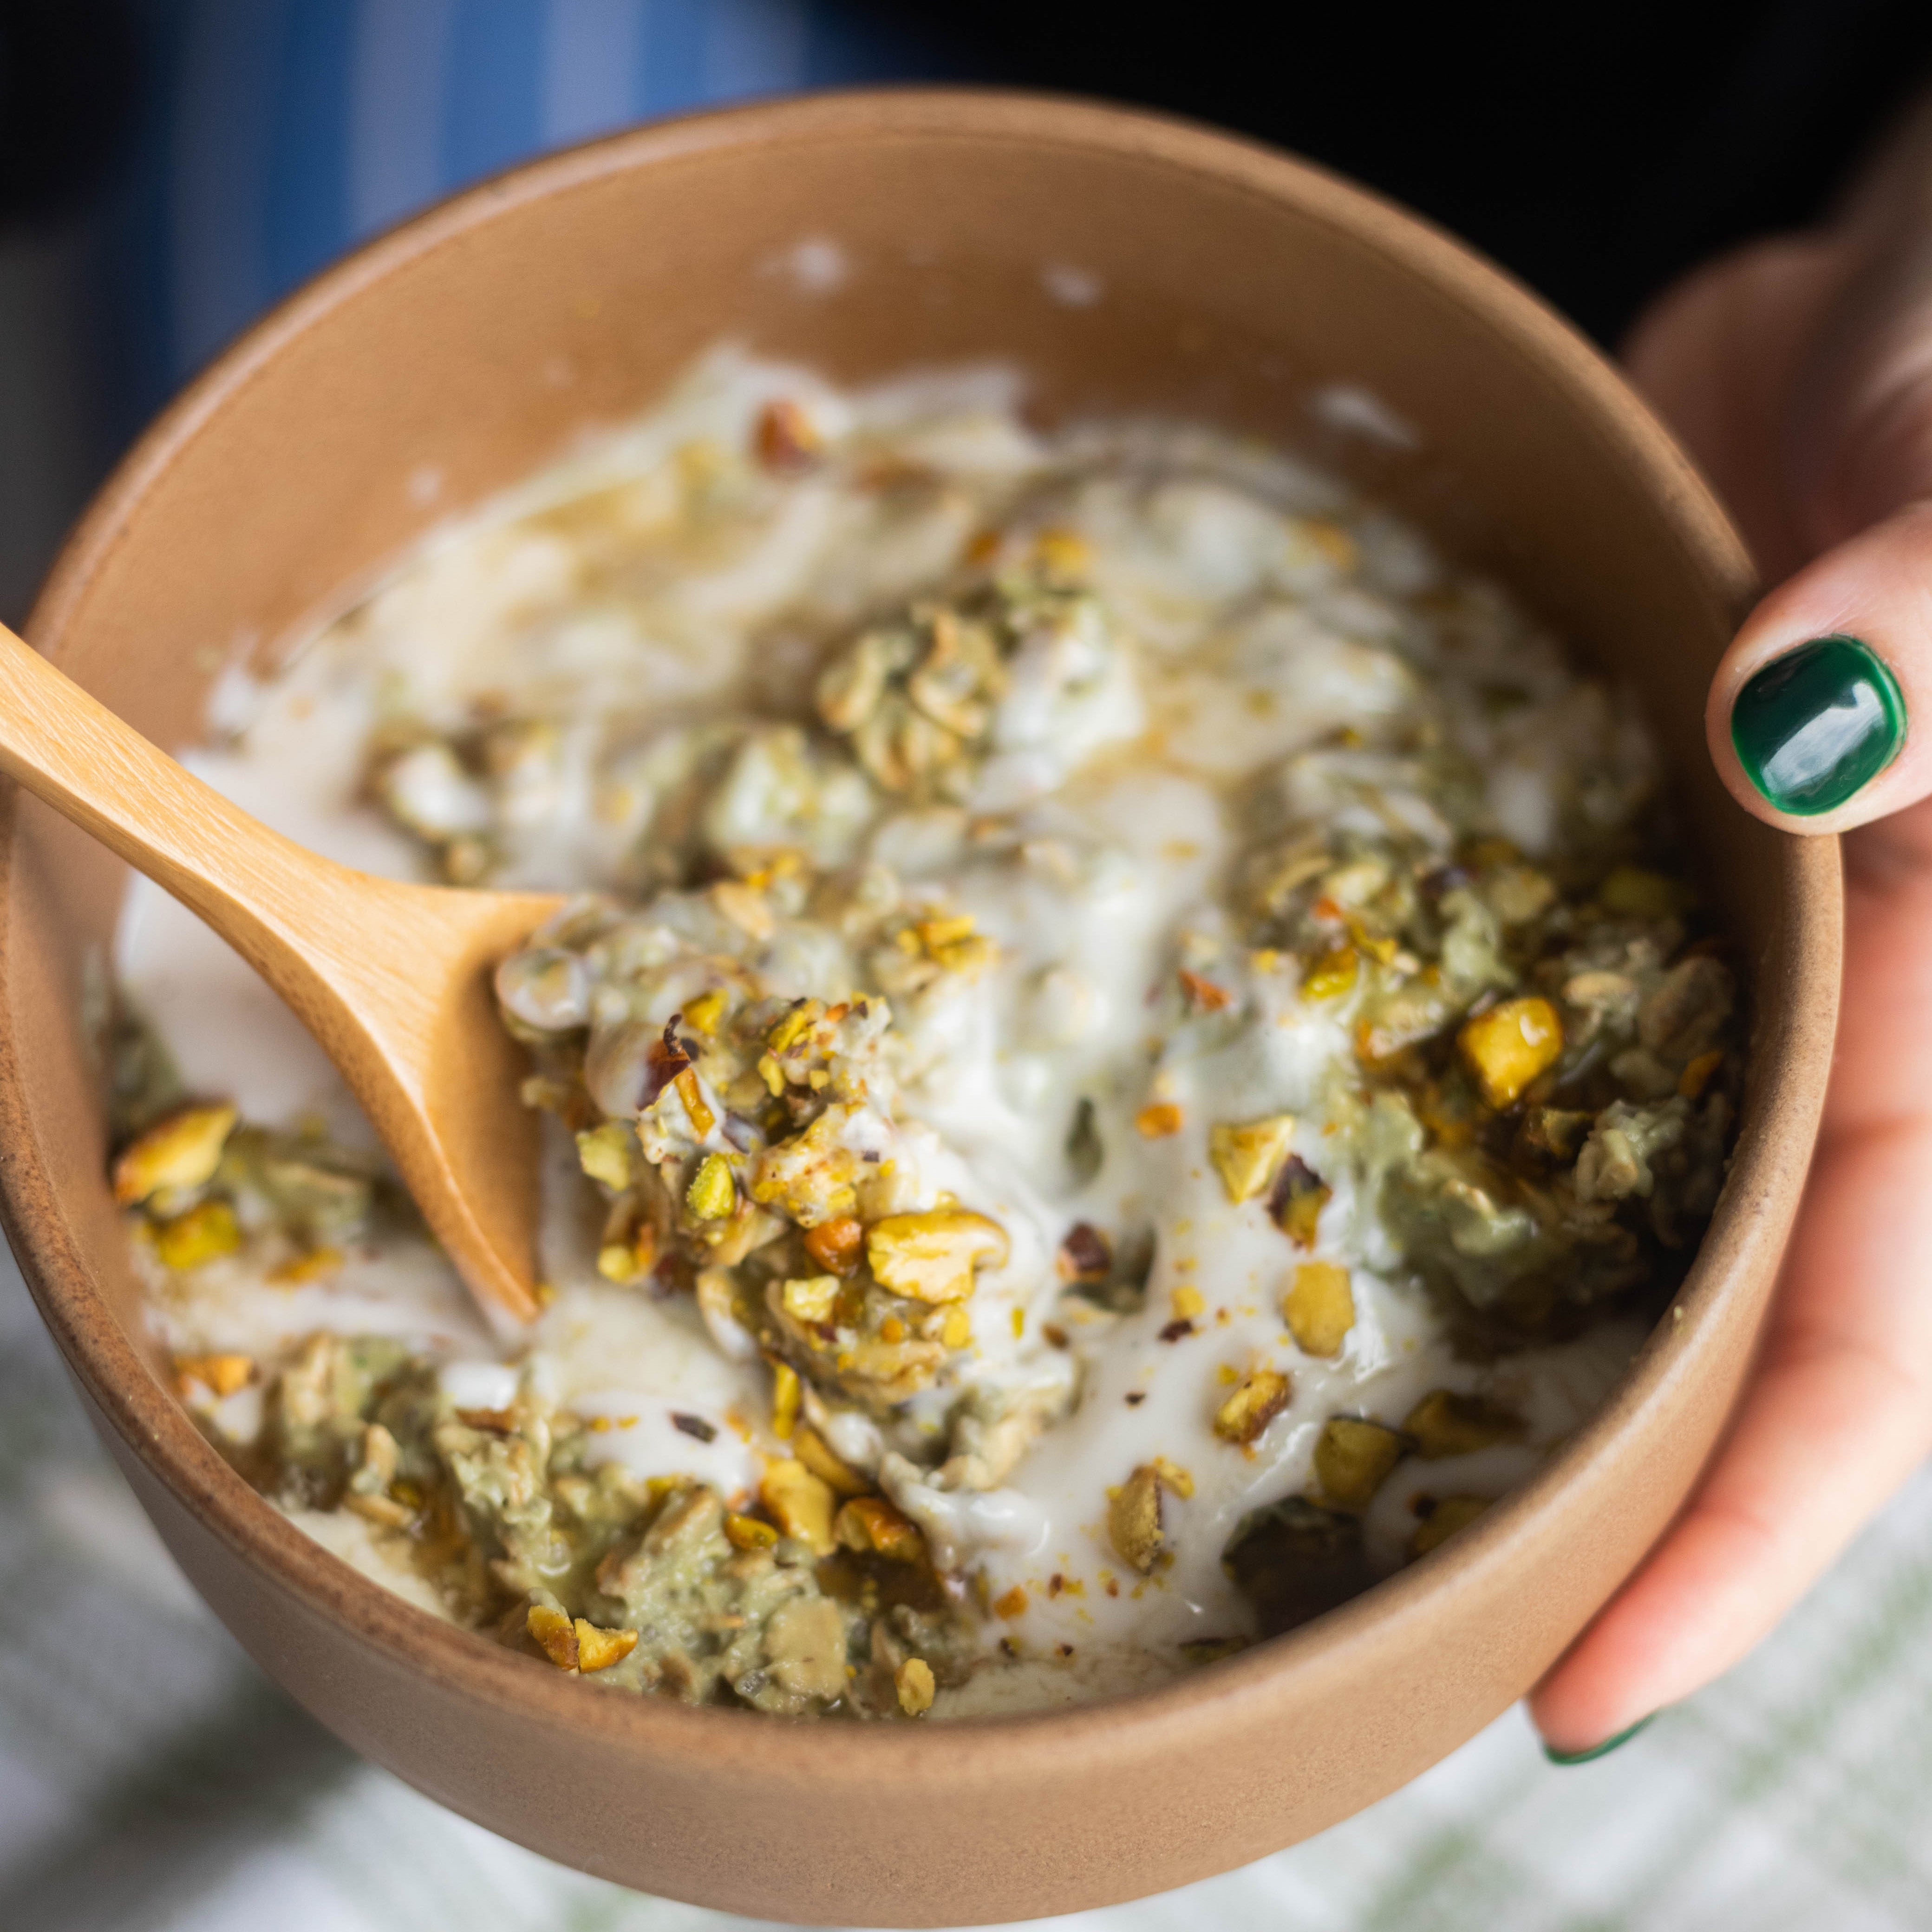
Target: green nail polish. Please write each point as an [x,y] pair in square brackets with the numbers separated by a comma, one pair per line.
[1816,725]
[1602,1750]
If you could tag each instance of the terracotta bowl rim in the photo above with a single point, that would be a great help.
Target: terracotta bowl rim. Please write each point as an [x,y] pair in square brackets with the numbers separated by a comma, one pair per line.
[157,1429]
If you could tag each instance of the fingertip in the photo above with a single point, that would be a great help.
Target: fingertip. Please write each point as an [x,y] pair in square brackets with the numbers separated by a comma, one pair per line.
[1809,721]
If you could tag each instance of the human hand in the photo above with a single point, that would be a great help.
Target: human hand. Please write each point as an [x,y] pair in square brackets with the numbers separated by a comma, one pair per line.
[1799,373]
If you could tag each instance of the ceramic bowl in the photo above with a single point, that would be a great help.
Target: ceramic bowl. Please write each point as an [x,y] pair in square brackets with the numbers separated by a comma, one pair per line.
[1124,261]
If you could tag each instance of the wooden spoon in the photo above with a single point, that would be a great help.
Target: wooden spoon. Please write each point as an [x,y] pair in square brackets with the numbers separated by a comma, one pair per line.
[394,980]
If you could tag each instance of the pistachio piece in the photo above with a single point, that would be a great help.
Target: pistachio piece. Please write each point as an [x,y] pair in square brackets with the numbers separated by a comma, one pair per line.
[1450,1514]
[871,1524]
[604,1154]
[914,1683]
[800,1503]
[598,1649]
[1247,1155]
[1444,1424]
[203,1233]
[1134,1524]
[182,1151]
[1258,1399]
[1353,1459]
[1319,1308]
[1508,1046]
[554,1632]
[713,1191]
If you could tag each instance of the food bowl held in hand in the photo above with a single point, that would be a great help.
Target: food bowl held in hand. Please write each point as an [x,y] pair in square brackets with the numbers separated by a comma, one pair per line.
[1123,265]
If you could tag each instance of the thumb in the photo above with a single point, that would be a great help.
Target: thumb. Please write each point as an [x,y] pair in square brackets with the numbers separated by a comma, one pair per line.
[1811,718]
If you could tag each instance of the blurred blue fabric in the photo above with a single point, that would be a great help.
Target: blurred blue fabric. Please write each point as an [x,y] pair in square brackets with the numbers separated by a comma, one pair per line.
[284,132]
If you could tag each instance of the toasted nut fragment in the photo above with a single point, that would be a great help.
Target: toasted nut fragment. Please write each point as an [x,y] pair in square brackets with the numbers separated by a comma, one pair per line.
[223,1374]
[1261,1397]
[1012,1605]
[1134,1519]
[836,1245]
[203,1233]
[1188,1301]
[605,1153]
[1300,1194]
[1330,977]
[1173,1477]
[702,1120]
[1450,1514]
[702,1014]
[1085,1254]
[956,1331]
[622,1262]
[1444,1424]
[932,1256]
[786,1392]
[1696,1076]
[809,1447]
[802,1504]
[749,1532]
[1203,993]
[598,1649]
[1158,1119]
[787,440]
[1353,1459]
[318,1265]
[555,1633]
[1319,1308]
[713,1191]
[182,1151]
[1247,1156]
[810,1299]
[914,1683]
[1508,1046]
[872,1523]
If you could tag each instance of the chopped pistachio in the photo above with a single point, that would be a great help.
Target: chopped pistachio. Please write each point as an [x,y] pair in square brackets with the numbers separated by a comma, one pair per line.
[1353,1459]
[1444,1424]
[801,1503]
[598,1649]
[810,1299]
[1319,1308]
[1299,1196]
[713,1191]
[604,1154]
[555,1633]
[1158,1119]
[1508,1046]
[183,1151]
[1331,975]
[1134,1525]
[1261,1397]
[1450,1514]
[748,1532]
[787,1391]
[914,1683]
[203,1233]
[809,1447]
[932,1256]
[224,1374]
[702,1014]
[836,1245]
[871,1524]
[702,1120]
[1248,1156]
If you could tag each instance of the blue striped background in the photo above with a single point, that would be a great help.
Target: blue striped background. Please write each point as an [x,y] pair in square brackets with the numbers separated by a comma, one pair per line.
[287,130]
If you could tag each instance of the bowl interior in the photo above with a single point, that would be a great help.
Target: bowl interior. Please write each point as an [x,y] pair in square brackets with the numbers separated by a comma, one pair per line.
[1123,264]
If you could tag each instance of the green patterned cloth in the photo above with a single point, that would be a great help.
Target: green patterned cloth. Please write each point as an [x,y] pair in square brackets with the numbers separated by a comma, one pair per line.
[152,1780]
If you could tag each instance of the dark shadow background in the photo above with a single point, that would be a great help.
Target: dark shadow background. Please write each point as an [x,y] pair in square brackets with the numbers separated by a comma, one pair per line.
[1597,152]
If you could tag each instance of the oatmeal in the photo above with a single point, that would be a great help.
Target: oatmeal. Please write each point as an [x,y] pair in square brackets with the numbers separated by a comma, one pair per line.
[1131,1049]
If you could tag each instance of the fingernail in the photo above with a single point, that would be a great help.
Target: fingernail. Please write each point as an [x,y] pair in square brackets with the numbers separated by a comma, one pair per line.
[1602,1750]
[1817,724]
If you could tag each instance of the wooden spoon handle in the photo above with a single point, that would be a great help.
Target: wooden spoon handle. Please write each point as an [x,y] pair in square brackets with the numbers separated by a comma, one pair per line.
[253,886]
